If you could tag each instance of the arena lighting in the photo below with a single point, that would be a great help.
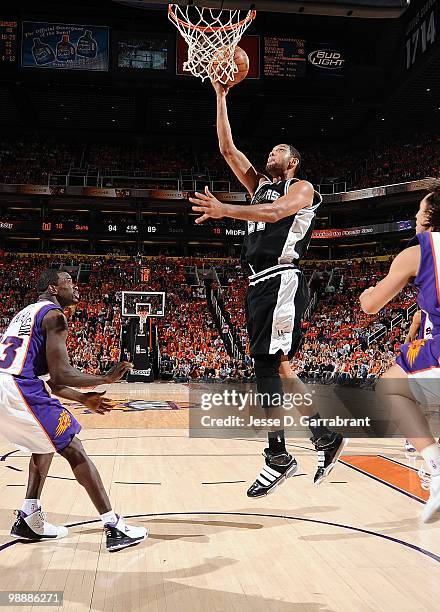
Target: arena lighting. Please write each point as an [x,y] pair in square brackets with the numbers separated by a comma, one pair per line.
[370,9]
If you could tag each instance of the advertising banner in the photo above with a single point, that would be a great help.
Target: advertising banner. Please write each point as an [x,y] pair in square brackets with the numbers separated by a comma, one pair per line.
[365,230]
[64,46]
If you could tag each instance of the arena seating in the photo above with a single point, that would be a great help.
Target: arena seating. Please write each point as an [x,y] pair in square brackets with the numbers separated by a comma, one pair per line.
[335,336]
[32,159]
[190,343]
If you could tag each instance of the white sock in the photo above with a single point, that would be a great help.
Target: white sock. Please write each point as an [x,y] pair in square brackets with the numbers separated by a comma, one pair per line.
[109,517]
[431,455]
[30,506]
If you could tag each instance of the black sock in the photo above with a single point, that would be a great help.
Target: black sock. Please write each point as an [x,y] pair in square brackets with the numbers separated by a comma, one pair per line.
[277,443]
[318,430]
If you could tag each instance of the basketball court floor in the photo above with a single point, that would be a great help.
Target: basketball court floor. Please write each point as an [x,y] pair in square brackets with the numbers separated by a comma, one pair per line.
[352,544]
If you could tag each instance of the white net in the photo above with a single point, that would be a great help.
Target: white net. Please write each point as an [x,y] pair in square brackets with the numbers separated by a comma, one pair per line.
[212,36]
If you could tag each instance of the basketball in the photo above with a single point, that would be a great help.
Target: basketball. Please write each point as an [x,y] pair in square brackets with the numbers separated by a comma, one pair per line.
[221,58]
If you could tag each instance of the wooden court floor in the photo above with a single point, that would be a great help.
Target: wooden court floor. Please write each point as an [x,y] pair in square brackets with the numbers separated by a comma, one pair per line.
[352,544]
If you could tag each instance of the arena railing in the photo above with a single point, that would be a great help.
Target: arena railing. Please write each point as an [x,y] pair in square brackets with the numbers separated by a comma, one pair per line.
[409,312]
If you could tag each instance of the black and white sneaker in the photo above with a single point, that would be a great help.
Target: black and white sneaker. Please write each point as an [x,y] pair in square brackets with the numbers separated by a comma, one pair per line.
[329,448]
[276,469]
[34,527]
[121,535]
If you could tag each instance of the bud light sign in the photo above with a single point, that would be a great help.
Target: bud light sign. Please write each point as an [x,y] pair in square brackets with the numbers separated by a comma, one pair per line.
[325,60]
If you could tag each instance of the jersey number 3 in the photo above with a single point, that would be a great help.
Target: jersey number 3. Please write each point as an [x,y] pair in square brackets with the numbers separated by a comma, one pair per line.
[8,351]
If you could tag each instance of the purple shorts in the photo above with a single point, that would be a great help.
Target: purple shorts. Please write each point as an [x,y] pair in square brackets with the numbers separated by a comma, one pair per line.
[420,356]
[31,418]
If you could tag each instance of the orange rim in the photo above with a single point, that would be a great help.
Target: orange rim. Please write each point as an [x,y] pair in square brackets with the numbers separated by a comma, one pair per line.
[228,28]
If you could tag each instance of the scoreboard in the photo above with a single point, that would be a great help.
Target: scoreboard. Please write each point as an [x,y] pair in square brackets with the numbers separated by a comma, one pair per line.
[284,57]
[8,41]
[297,58]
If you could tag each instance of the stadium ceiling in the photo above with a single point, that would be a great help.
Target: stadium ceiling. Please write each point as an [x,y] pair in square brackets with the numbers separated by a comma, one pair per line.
[343,8]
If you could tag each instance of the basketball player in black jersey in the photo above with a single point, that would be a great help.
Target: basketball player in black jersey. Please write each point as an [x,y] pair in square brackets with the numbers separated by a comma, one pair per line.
[280,220]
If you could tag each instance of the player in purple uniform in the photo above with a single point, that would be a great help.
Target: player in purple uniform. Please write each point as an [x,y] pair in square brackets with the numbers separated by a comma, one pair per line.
[421,328]
[415,378]
[34,345]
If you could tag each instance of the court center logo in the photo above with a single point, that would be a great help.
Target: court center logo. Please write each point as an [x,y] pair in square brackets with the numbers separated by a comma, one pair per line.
[328,59]
[131,406]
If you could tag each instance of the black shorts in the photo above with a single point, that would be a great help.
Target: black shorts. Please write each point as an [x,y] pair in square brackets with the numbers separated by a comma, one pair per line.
[275,303]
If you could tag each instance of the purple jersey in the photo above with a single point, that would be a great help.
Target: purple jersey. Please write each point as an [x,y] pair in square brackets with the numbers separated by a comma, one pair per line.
[427,282]
[23,344]
[421,357]
[425,330]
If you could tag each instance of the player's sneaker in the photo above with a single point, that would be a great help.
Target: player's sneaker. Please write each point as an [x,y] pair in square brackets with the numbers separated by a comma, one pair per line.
[409,448]
[329,448]
[276,468]
[120,535]
[35,527]
[432,484]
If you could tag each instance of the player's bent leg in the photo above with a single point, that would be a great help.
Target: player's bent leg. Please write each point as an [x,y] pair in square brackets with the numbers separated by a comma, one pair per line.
[278,463]
[86,474]
[328,444]
[39,465]
[401,392]
[31,523]
[119,534]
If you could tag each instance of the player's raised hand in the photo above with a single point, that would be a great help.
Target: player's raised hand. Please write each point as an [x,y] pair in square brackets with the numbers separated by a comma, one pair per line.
[94,401]
[117,372]
[207,204]
[220,89]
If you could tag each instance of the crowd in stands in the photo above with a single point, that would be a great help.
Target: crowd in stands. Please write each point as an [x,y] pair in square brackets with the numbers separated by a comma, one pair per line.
[398,162]
[337,335]
[190,343]
[33,159]
[336,341]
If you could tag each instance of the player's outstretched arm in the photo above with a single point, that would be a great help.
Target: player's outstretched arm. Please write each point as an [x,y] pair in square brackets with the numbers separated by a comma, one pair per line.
[299,196]
[93,400]
[237,161]
[61,372]
[404,267]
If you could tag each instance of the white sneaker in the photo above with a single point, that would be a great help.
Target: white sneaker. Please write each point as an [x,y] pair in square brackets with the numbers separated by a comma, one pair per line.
[121,535]
[35,527]
[432,484]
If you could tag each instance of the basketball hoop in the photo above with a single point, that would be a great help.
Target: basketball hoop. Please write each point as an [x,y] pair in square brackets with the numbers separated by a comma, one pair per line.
[210,34]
